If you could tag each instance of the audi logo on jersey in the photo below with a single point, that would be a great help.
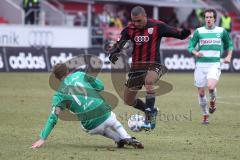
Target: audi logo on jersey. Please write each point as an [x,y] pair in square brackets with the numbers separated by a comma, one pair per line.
[139,39]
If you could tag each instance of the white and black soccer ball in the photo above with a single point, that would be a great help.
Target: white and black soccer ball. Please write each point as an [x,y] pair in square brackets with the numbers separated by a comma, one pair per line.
[135,122]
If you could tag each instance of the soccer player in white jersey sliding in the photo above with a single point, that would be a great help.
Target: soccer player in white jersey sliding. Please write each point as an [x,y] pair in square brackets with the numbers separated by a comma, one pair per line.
[211,41]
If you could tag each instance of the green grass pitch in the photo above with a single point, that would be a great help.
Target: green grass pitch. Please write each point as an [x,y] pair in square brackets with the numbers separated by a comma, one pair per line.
[25,105]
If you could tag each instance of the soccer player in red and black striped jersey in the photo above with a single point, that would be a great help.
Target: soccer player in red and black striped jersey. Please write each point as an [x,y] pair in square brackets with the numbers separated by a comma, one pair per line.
[146,68]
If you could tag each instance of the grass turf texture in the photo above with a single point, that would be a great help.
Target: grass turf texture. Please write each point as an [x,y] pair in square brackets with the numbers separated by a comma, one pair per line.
[25,105]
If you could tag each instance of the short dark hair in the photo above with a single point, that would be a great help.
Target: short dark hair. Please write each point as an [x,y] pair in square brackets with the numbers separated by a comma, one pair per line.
[60,70]
[213,11]
[138,10]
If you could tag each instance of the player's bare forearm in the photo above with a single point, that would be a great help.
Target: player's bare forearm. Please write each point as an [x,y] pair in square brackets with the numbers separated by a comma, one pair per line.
[196,53]
[229,53]
[229,57]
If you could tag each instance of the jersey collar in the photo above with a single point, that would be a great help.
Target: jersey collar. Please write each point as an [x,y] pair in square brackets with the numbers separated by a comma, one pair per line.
[210,28]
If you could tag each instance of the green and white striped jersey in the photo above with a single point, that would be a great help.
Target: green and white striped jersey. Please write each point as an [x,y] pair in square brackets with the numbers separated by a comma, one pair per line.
[211,43]
[79,93]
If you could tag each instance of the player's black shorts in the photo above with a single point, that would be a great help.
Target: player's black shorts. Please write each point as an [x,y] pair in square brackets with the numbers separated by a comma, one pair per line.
[136,78]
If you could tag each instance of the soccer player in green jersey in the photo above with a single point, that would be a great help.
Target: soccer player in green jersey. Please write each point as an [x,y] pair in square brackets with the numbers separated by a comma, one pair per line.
[211,41]
[78,92]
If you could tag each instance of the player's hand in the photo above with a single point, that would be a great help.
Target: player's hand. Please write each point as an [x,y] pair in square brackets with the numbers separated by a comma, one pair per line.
[111,47]
[198,54]
[227,59]
[38,144]
[108,45]
[113,58]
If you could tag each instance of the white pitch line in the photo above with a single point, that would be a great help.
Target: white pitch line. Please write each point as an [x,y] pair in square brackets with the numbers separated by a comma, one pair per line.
[218,97]
[224,102]
[233,97]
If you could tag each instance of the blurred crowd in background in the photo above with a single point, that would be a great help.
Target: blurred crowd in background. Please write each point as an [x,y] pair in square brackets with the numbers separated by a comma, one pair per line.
[112,15]
[108,19]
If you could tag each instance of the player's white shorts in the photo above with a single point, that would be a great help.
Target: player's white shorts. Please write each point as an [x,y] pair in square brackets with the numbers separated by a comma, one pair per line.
[110,122]
[203,74]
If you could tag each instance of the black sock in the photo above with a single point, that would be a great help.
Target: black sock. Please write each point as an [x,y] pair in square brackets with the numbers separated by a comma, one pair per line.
[150,100]
[211,90]
[139,104]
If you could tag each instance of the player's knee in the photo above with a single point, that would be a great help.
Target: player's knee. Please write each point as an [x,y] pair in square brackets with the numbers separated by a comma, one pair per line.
[201,94]
[149,81]
[128,101]
[211,86]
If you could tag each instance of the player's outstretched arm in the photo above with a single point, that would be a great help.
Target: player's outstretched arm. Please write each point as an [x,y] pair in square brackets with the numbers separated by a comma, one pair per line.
[51,122]
[169,31]
[118,46]
[185,32]
[115,49]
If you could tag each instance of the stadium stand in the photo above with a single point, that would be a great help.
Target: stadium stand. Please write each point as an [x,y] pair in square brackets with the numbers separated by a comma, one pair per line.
[11,12]
[102,17]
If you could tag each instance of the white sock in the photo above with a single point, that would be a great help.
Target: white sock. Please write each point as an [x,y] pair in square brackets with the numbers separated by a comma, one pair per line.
[203,103]
[109,133]
[118,127]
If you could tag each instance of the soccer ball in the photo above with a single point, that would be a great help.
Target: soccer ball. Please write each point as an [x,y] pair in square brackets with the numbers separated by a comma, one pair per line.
[135,122]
